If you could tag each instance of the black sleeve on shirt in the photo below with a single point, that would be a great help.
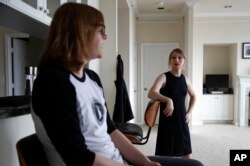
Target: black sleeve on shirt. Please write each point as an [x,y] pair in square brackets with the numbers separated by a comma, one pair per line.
[111,126]
[54,101]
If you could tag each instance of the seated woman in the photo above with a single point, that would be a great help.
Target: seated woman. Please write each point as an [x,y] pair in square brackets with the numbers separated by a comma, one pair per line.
[69,109]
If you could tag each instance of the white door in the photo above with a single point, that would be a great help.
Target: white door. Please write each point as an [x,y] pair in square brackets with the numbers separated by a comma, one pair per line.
[154,62]
[16,60]
[20,60]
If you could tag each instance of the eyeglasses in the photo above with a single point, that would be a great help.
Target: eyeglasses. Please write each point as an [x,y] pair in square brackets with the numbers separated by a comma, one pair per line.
[102,30]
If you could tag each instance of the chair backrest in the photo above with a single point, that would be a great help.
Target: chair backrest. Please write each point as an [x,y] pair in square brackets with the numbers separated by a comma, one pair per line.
[150,118]
[151,112]
[134,132]
[30,152]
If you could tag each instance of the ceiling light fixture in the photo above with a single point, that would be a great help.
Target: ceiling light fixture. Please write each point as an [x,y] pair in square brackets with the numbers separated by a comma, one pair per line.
[161,6]
[227,6]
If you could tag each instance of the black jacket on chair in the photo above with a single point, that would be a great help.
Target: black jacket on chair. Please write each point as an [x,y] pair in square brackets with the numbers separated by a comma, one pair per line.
[122,111]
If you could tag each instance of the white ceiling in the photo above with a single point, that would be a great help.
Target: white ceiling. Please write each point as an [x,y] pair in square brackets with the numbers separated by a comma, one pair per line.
[175,9]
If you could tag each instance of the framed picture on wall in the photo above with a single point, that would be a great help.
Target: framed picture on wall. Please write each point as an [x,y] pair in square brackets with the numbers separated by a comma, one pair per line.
[246,50]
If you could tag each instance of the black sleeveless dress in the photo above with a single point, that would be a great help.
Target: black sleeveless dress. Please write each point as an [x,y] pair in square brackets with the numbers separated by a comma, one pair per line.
[173,137]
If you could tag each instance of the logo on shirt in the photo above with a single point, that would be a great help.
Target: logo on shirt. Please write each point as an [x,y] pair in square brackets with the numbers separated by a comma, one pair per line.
[98,111]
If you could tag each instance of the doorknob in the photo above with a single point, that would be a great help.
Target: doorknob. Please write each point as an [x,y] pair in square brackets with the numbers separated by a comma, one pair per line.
[145,89]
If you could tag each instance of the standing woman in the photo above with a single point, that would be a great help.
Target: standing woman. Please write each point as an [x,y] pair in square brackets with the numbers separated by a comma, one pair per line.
[171,88]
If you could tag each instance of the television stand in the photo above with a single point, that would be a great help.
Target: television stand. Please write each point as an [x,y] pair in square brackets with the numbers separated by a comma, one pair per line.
[217,92]
[217,108]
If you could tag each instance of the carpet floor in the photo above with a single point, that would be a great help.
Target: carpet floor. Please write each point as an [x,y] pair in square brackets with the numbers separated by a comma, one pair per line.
[211,143]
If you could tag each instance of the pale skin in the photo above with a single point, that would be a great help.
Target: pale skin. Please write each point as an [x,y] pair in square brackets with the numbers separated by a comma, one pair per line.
[176,63]
[126,148]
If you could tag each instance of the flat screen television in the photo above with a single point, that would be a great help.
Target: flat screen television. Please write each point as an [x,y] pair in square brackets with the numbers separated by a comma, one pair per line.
[217,81]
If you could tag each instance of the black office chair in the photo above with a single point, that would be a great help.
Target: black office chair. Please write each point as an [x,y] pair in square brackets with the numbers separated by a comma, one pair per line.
[30,152]
[134,132]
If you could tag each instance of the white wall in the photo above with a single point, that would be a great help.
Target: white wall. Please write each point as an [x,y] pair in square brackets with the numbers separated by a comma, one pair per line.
[118,42]
[231,33]
[216,60]
[219,32]
[126,47]
[108,62]
[95,64]
[133,90]
[219,59]
[12,130]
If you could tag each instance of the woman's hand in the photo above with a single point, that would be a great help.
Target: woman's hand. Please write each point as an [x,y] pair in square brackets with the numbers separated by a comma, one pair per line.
[168,111]
[188,117]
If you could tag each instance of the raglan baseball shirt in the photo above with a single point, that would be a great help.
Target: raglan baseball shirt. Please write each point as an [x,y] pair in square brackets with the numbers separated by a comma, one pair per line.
[71,118]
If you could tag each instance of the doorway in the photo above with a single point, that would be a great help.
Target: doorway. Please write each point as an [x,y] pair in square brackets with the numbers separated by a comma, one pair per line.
[154,61]
[16,59]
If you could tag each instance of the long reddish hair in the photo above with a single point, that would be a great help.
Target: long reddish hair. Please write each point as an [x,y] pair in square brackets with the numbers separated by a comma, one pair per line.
[70,33]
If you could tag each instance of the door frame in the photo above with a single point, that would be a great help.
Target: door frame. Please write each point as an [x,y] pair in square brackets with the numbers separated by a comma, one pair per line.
[8,64]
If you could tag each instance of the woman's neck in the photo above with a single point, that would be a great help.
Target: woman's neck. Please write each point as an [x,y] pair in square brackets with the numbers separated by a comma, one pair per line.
[79,73]
[176,73]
